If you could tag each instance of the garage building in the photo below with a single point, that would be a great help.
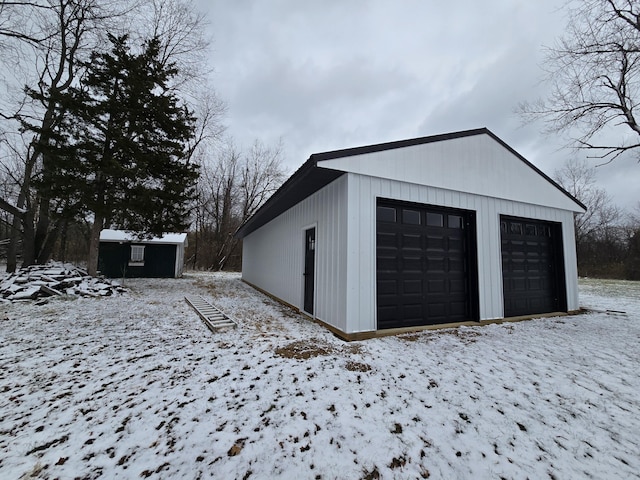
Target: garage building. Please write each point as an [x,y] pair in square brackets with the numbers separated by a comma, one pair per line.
[410,234]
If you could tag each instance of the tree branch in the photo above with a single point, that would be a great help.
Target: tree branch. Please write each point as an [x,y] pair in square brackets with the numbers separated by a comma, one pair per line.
[12,209]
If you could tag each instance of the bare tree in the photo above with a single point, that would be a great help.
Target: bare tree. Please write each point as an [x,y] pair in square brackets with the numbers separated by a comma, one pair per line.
[55,60]
[632,265]
[594,75]
[233,185]
[607,239]
[182,29]
[601,239]
[260,177]
[634,215]
[579,179]
[215,216]
[7,190]
[16,23]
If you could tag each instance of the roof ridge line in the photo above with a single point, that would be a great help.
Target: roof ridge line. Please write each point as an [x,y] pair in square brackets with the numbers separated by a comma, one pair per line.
[410,142]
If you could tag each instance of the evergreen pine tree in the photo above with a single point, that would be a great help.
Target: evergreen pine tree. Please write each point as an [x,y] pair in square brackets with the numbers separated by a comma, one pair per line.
[121,154]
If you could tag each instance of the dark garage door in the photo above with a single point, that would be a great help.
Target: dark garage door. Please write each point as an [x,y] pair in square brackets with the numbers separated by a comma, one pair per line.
[425,265]
[532,266]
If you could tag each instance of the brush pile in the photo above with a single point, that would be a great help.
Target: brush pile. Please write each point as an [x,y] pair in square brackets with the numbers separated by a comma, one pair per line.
[53,279]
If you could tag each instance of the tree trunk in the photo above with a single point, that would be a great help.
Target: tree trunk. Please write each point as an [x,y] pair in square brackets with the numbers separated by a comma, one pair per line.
[28,239]
[18,221]
[94,245]
[195,243]
[46,248]
[42,232]
[12,250]
[63,240]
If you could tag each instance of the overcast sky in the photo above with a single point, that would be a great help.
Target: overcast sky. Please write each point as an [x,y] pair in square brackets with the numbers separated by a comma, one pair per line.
[331,74]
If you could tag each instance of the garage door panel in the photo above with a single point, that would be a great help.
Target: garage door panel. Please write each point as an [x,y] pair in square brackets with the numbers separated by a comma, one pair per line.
[412,311]
[387,265]
[535,272]
[536,284]
[388,249]
[412,287]
[387,287]
[411,264]
[455,265]
[437,310]
[387,313]
[411,241]
[386,240]
[517,265]
[457,308]
[455,244]
[435,264]
[436,243]
[436,286]
[517,304]
[532,266]
[540,303]
[432,265]
[519,284]
[457,286]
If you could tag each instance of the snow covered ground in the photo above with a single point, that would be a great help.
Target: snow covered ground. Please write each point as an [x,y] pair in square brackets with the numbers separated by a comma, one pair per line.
[135,386]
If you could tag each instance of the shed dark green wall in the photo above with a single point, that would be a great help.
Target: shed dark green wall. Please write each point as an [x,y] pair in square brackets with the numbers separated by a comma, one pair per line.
[159,260]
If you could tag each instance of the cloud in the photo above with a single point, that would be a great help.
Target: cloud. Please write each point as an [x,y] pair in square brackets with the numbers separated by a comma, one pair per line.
[334,74]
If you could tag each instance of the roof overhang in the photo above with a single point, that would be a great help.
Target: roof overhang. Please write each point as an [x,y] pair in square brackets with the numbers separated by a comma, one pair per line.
[306,181]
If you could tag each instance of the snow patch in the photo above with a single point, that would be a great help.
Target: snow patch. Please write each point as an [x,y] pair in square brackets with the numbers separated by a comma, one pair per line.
[136,386]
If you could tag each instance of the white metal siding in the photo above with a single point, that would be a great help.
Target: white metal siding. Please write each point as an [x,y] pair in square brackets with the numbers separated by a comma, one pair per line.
[363,192]
[273,255]
[477,164]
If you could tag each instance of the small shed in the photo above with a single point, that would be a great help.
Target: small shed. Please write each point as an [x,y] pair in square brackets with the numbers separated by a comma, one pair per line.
[123,254]
[428,231]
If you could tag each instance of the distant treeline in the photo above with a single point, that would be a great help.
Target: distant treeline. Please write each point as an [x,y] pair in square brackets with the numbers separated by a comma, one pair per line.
[613,252]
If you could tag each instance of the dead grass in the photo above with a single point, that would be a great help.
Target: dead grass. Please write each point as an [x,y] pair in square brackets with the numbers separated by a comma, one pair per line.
[412,337]
[357,366]
[237,447]
[316,347]
[352,349]
[466,336]
[305,349]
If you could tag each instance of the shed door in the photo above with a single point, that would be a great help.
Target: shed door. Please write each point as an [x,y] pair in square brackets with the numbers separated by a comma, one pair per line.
[426,265]
[532,266]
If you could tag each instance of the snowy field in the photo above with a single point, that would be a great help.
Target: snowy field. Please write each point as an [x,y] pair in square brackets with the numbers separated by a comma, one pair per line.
[135,386]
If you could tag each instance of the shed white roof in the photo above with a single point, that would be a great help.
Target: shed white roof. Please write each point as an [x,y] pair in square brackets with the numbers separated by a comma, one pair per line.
[108,235]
